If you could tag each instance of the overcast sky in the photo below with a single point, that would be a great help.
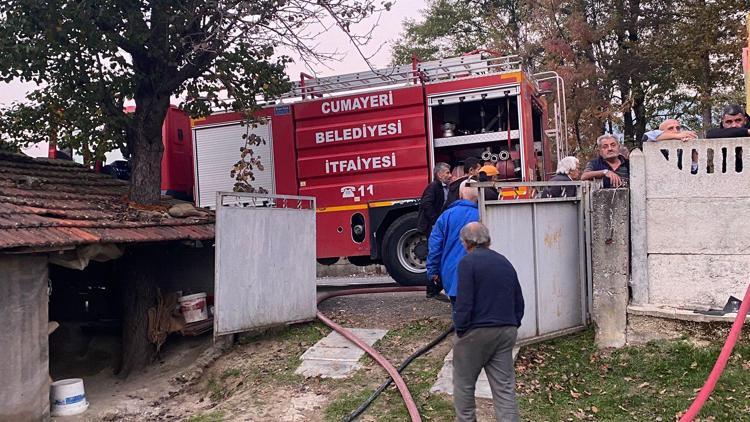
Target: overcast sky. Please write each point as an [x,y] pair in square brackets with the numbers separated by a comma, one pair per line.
[351,61]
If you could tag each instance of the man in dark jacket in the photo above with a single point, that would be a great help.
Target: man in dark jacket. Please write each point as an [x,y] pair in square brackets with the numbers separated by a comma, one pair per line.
[567,171]
[734,124]
[430,206]
[433,198]
[488,311]
[610,165]
[471,170]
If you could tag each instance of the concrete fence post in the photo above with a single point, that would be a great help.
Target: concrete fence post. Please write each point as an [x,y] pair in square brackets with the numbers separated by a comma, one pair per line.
[638,229]
[24,368]
[610,244]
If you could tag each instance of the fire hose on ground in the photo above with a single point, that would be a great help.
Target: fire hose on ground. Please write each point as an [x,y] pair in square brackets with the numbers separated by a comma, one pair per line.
[690,414]
[424,349]
[394,374]
[721,361]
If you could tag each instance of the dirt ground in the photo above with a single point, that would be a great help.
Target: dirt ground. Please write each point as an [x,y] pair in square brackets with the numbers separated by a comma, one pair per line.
[255,381]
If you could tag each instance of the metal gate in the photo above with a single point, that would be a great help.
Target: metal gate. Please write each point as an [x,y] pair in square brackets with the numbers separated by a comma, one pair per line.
[546,239]
[265,261]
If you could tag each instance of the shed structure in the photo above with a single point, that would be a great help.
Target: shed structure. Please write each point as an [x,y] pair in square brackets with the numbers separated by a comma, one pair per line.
[59,211]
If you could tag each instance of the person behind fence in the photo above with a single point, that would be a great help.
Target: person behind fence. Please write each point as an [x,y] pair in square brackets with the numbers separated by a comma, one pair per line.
[567,171]
[488,311]
[610,165]
[734,123]
[489,173]
[668,130]
[445,249]
[471,170]
[430,206]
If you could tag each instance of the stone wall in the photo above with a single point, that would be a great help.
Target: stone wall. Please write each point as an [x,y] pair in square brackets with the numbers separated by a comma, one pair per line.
[24,389]
[691,233]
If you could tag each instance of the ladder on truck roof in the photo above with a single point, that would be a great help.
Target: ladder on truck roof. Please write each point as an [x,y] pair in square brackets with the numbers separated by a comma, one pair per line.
[429,71]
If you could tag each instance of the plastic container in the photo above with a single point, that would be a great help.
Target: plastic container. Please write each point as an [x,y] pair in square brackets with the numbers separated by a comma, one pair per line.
[194,308]
[67,397]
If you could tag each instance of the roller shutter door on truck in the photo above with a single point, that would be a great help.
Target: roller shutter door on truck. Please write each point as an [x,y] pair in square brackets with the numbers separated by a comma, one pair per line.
[217,148]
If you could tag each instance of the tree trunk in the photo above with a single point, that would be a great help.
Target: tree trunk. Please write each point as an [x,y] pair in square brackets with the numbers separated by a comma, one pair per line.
[705,91]
[138,269]
[145,139]
[639,101]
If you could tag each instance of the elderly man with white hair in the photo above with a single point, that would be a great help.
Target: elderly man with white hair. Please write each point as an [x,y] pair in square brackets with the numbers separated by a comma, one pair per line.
[488,311]
[567,171]
[610,165]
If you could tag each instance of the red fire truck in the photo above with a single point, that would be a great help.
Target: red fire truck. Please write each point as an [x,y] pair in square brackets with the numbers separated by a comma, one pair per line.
[364,145]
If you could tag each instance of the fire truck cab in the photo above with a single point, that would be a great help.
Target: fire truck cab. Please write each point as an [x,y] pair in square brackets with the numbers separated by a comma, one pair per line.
[364,145]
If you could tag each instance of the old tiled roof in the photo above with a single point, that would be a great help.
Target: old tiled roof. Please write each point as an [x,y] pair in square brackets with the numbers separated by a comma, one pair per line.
[54,203]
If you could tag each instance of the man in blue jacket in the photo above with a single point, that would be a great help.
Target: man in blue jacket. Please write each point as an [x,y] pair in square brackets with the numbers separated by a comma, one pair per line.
[487,313]
[445,248]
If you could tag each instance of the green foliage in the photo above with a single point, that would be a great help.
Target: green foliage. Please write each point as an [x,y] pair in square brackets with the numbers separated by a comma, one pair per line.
[449,28]
[627,65]
[89,57]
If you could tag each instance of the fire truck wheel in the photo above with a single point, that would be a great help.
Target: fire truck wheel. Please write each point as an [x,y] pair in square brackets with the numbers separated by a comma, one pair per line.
[405,251]
[327,261]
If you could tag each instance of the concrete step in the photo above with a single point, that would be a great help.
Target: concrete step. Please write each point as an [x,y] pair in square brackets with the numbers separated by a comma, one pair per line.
[444,383]
[336,357]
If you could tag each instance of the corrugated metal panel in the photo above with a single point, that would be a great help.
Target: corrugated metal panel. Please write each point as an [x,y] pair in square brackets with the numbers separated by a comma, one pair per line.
[217,148]
[542,241]
[259,282]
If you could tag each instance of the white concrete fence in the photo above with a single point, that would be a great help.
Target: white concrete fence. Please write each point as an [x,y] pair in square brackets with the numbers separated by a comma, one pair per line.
[690,230]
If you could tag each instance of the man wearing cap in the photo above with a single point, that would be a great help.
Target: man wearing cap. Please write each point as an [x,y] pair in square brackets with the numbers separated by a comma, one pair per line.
[734,124]
[489,173]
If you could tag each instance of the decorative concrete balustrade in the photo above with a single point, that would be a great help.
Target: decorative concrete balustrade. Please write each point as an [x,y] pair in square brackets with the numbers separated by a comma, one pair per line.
[690,229]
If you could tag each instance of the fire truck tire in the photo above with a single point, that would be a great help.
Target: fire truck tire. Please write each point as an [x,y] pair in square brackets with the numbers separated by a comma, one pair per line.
[404,251]
[327,261]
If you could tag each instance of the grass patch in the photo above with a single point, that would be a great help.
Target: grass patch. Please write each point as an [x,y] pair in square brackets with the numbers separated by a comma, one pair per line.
[207,417]
[344,405]
[568,379]
[272,369]
[309,332]
[419,376]
[215,390]
[230,373]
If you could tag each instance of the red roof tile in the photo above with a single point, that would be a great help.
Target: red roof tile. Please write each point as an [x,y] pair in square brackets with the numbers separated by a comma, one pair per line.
[56,203]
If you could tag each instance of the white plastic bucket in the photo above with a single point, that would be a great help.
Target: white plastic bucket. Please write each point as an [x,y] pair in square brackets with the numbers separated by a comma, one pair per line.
[193,307]
[67,397]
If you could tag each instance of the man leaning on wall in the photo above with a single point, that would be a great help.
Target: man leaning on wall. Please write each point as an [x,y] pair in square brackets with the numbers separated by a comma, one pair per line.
[734,123]
[609,165]
[668,130]
[672,129]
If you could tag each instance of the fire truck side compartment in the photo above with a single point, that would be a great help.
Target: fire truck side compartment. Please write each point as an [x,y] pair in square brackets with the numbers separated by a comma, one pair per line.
[218,139]
[377,137]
